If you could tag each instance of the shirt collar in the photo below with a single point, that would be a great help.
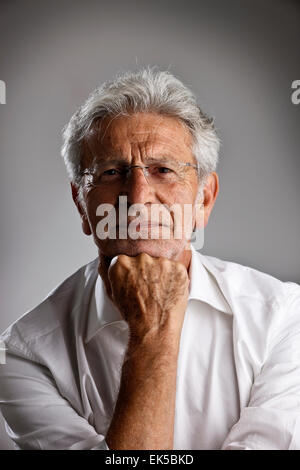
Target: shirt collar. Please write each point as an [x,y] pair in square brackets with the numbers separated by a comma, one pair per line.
[205,286]
[206,283]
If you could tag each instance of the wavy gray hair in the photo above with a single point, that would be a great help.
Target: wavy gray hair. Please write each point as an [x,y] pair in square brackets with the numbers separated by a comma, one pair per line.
[148,90]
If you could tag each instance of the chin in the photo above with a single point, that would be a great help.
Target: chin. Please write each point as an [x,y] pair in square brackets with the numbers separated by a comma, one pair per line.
[157,248]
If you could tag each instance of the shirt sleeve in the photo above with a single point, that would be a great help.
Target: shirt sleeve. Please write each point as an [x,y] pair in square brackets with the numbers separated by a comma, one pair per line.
[37,416]
[271,421]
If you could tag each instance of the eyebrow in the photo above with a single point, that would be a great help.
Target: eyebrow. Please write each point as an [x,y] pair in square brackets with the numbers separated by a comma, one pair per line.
[115,160]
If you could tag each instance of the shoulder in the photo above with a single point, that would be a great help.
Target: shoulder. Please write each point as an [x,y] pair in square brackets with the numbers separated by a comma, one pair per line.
[265,309]
[59,308]
[260,303]
[246,282]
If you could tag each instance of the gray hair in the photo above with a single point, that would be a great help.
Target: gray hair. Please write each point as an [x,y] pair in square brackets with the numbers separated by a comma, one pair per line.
[148,90]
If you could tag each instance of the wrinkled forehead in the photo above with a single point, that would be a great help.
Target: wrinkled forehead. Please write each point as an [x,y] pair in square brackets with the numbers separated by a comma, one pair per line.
[147,133]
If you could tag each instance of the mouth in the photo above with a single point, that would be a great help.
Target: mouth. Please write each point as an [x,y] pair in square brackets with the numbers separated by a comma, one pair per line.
[143,226]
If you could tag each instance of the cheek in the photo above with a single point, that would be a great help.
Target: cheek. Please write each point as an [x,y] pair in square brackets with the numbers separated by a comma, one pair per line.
[94,197]
[180,200]
[184,194]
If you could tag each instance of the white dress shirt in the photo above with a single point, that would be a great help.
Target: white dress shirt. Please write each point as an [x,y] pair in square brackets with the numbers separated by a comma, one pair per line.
[238,375]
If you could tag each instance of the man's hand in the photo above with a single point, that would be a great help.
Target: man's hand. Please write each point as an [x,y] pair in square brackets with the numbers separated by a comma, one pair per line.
[151,294]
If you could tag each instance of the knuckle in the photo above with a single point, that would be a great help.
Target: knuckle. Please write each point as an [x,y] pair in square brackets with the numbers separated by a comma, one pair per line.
[181,269]
[165,261]
[144,258]
[117,267]
[122,259]
[124,262]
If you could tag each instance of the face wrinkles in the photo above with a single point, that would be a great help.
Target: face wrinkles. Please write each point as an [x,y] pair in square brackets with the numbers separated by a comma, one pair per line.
[134,139]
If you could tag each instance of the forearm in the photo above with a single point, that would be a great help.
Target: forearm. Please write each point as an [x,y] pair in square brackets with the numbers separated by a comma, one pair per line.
[145,408]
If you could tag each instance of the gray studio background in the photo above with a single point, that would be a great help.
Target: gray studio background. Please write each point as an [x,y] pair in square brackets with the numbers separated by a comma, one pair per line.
[239,57]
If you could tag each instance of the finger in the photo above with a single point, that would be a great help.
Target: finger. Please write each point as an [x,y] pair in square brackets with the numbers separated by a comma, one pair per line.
[113,261]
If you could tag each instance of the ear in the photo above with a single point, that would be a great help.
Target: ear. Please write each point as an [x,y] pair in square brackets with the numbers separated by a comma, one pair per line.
[84,220]
[206,200]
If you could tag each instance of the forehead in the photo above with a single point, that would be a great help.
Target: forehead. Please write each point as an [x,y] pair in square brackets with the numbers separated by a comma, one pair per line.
[142,133]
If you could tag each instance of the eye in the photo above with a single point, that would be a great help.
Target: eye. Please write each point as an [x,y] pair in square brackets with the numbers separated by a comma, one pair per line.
[164,169]
[110,172]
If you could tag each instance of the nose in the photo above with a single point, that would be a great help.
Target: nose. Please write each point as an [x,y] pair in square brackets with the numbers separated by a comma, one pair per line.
[137,188]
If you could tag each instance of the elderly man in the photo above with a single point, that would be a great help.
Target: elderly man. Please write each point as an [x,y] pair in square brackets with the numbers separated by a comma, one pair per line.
[152,345]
